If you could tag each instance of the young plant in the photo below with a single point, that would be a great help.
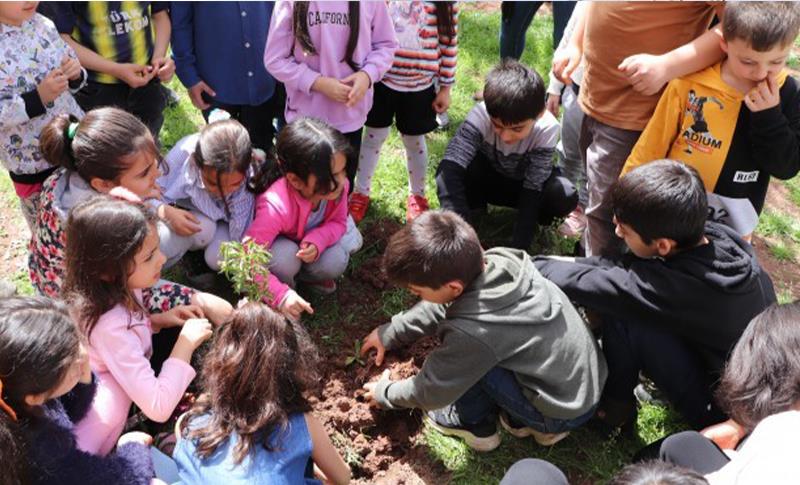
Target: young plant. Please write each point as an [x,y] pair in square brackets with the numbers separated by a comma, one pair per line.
[246,265]
[356,356]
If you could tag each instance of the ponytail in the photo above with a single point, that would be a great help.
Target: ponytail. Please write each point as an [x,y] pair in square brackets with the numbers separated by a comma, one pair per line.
[55,144]
[445,20]
[354,12]
[301,35]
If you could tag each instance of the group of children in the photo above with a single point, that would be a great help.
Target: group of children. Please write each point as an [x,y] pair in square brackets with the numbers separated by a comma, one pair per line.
[108,213]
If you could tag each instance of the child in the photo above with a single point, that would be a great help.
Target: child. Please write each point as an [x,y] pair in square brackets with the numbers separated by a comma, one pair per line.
[328,55]
[511,341]
[302,217]
[503,154]
[205,187]
[738,121]
[38,69]
[47,386]
[760,389]
[106,273]
[253,424]
[427,54]
[124,47]
[108,148]
[676,306]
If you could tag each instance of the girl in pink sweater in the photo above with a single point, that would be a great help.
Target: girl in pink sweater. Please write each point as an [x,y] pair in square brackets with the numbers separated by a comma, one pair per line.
[112,256]
[302,217]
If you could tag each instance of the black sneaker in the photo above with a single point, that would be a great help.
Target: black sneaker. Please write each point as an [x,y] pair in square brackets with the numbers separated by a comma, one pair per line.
[480,437]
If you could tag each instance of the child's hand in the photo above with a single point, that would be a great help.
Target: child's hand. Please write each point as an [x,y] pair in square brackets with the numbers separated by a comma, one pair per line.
[163,67]
[176,316]
[332,88]
[553,103]
[196,95]
[442,101]
[373,342]
[294,305]
[565,62]
[134,75]
[139,437]
[646,73]
[369,396]
[214,308]
[308,252]
[183,222]
[726,435]
[71,68]
[765,95]
[195,331]
[52,86]
[360,83]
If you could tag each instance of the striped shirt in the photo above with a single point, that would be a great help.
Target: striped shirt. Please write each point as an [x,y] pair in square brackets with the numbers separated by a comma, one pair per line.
[118,31]
[424,55]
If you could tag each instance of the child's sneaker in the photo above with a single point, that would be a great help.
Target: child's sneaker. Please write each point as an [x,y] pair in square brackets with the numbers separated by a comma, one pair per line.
[323,287]
[359,203]
[521,431]
[574,224]
[443,120]
[415,205]
[480,437]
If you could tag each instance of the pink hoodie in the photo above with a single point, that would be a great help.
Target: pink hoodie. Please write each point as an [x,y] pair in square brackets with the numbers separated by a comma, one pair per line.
[282,211]
[329,29]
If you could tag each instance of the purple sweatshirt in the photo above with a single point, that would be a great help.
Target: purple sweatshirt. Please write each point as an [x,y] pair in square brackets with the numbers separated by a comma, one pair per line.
[329,29]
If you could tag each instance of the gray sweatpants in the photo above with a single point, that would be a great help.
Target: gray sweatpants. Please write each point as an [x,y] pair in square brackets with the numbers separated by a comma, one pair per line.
[569,147]
[605,149]
[211,236]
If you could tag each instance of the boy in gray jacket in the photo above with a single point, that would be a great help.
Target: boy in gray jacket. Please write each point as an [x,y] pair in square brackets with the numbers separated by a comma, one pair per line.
[512,345]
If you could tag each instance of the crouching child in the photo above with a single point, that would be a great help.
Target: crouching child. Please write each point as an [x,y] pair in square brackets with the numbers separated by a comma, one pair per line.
[512,346]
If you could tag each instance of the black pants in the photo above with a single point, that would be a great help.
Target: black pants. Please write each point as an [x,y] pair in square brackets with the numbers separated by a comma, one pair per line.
[690,449]
[354,137]
[674,366]
[147,102]
[256,119]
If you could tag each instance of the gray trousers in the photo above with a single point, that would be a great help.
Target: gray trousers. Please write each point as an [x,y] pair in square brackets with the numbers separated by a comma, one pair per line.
[569,147]
[605,150]
[211,236]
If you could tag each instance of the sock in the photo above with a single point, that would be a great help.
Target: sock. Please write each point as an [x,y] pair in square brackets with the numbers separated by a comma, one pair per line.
[368,157]
[417,155]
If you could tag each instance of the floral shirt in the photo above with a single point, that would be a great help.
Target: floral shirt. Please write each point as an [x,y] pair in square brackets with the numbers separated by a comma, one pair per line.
[47,251]
[27,54]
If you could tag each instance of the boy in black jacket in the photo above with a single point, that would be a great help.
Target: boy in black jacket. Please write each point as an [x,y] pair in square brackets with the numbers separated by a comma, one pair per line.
[676,306]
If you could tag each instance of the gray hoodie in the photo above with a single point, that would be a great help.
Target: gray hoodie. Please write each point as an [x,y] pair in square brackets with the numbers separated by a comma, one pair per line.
[510,317]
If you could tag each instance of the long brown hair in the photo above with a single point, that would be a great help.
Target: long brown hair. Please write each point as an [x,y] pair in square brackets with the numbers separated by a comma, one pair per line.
[104,235]
[300,30]
[259,370]
[445,19]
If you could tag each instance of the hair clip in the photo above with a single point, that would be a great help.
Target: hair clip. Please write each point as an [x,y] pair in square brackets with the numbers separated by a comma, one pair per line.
[218,114]
[71,130]
[124,194]
[4,406]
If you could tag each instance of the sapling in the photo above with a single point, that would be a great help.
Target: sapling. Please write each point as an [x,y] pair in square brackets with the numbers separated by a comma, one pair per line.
[246,265]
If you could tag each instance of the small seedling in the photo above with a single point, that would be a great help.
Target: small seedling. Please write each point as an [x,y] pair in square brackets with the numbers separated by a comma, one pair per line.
[246,265]
[356,357]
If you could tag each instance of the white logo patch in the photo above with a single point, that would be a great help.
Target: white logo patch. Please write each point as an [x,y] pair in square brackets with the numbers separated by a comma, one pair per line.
[745,177]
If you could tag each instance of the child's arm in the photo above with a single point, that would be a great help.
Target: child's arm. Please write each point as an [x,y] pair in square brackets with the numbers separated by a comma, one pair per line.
[726,435]
[775,127]
[278,53]
[17,108]
[332,229]
[325,455]
[452,171]
[384,43]
[163,66]
[661,131]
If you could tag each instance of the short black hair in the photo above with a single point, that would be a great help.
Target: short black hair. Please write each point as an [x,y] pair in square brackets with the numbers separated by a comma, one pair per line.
[437,247]
[513,93]
[662,199]
[763,25]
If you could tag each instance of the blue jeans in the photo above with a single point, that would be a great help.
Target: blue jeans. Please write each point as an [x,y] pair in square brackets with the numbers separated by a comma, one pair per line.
[517,17]
[499,389]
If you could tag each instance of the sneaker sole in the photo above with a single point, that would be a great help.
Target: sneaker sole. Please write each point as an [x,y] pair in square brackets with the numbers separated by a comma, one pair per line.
[544,439]
[476,443]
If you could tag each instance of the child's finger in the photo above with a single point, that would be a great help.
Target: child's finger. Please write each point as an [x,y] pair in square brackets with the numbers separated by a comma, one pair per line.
[306,306]
[772,85]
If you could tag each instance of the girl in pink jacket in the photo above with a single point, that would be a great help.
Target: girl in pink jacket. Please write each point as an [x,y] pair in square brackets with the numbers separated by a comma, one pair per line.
[302,217]
[112,256]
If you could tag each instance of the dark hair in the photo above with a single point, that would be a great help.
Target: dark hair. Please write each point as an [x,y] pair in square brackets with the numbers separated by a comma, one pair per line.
[513,93]
[656,472]
[762,376]
[446,20]
[224,146]
[306,146]
[102,146]
[662,199]
[437,247]
[300,30]
[104,235]
[259,370]
[39,342]
[763,25]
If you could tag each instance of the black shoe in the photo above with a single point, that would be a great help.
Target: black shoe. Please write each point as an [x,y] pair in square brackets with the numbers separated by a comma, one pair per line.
[613,415]
[480,437]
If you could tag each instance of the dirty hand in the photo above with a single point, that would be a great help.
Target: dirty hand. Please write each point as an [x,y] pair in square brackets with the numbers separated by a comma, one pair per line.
[765,95]
[553,103]
[360,83]
[294,305]
[71,68]
[565,62]
[332,88]
[646,73]
[308,252]
[183,222]
[52,86]
[176,316]
[373,342]
[369,396]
